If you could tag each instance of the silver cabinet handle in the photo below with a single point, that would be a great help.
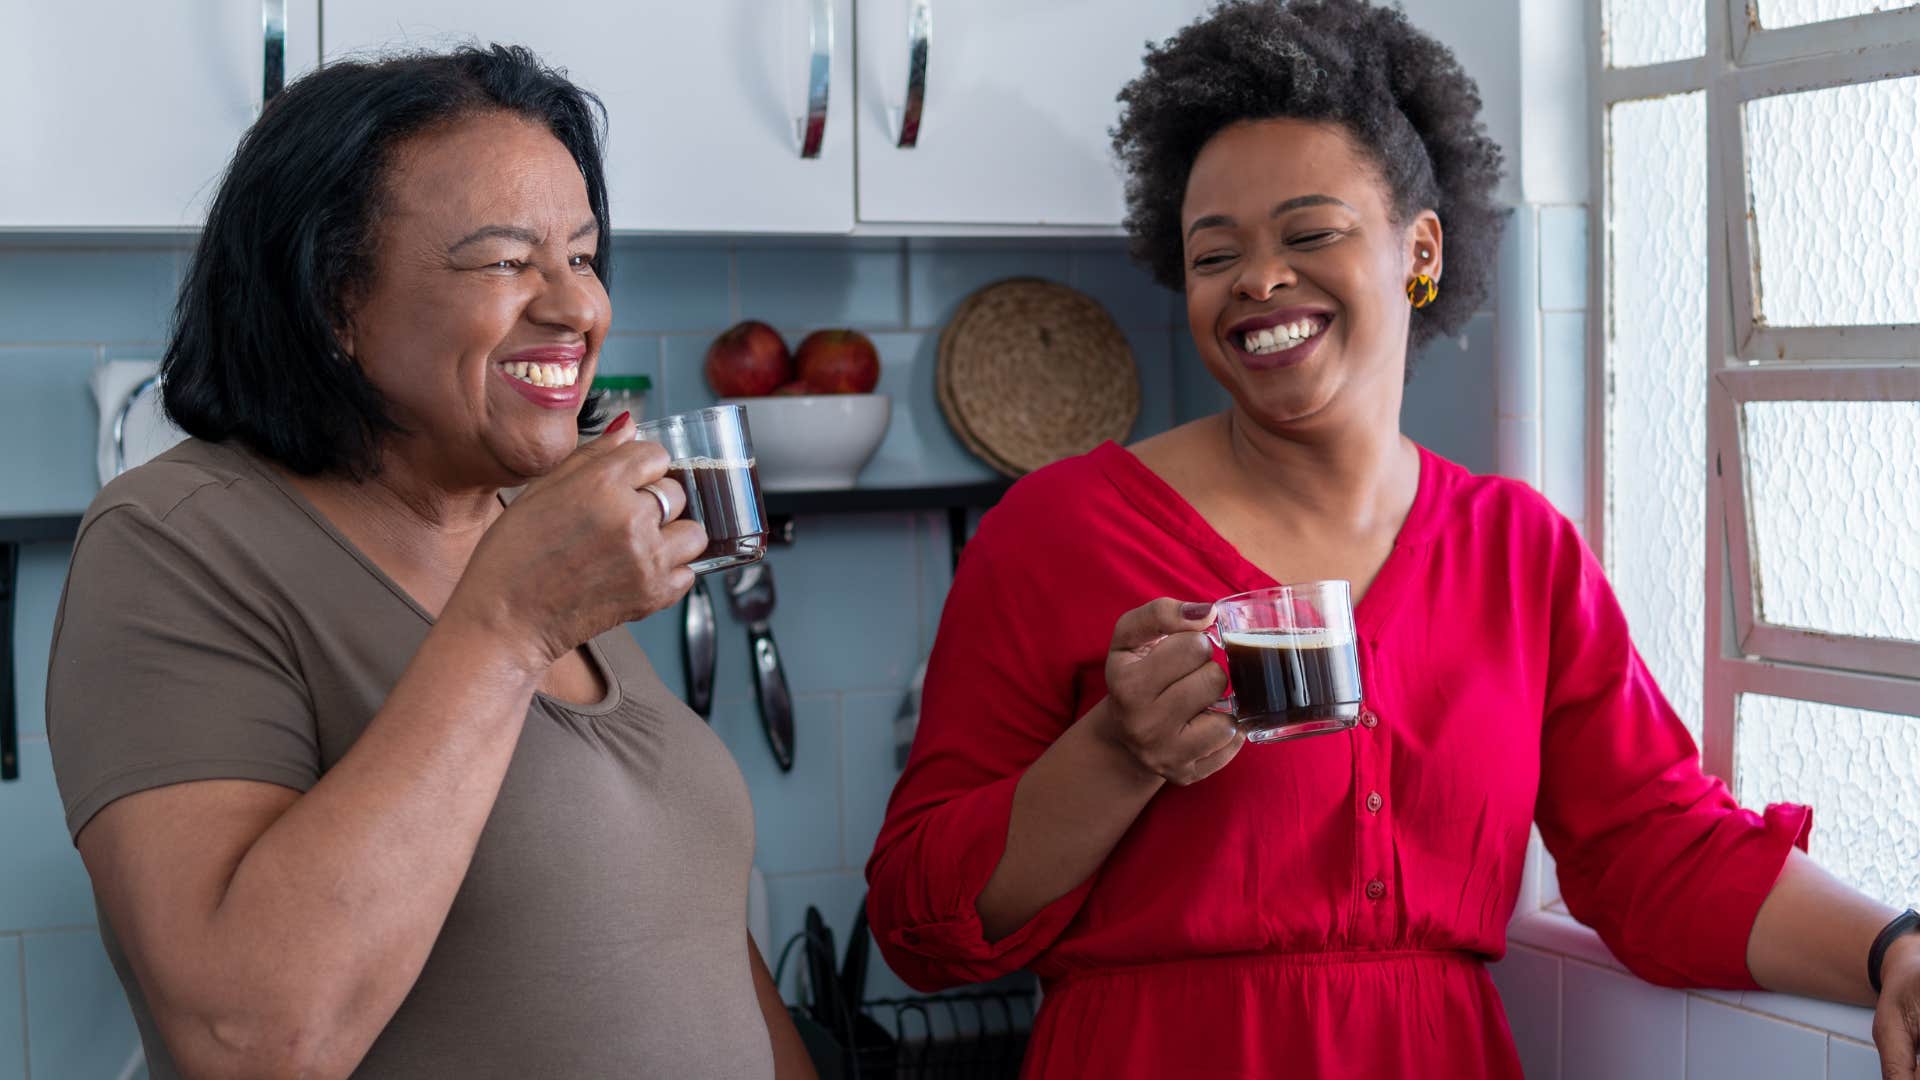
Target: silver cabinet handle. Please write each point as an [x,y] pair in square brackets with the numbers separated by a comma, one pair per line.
[151,382]
[919,41]
[273,27]
[813,126]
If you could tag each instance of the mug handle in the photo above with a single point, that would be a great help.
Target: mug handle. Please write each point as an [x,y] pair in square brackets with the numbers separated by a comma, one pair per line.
[1227,706]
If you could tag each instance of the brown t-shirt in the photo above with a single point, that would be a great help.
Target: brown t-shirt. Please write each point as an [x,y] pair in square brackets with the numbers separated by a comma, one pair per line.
[216,626]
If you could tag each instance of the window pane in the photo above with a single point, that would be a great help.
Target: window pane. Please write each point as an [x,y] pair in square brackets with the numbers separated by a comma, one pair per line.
[1856,769]
[1833,490]
[1656,402]
[1777,13]
[1653,31]
[1834,191]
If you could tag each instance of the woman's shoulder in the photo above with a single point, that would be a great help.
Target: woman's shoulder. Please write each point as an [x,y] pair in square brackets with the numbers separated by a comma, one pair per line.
[191,474]
[1057,508]
[1482,507]
[210,504]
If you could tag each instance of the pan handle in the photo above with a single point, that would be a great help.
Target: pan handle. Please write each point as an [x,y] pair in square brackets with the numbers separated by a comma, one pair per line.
[770,686]
[697,648]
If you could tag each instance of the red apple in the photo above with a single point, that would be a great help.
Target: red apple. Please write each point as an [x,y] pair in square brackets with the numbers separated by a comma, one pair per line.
[749,360]
[838,362]
[793,388]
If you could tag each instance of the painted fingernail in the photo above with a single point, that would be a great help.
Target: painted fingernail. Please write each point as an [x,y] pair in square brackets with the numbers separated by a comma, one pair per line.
[1194,610]
[618,420]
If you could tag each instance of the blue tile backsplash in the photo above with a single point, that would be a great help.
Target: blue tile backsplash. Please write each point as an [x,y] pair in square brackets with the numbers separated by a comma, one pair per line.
[859,596]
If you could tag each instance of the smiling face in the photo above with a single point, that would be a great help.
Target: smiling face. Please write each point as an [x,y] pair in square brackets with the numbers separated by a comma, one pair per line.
[483,318]
[1296,273]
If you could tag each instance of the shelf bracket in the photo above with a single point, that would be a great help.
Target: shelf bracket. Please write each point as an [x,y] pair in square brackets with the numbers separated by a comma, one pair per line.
[15,531]
[9,722]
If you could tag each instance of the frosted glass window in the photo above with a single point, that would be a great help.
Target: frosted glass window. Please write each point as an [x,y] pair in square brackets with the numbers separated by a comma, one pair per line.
[1776,13]
[1834,191]
[1653,31]
[1656,405]
[1856,769]
[1833,491]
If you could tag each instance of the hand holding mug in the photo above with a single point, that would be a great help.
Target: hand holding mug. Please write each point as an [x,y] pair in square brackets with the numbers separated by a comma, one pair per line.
[1292,659]
[1161,685]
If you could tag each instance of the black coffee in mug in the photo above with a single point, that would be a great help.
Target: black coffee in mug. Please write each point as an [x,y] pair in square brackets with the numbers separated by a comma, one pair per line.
[1291,676]
[711,457]
[724,497]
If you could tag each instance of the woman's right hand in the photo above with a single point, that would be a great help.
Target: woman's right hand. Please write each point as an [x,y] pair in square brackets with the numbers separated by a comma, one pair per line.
[583,549]
[1162,682]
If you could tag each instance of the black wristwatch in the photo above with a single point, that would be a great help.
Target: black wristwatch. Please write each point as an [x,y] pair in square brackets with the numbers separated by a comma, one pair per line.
[1903,923]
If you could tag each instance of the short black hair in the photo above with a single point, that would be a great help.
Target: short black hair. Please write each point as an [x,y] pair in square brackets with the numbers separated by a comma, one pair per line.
[1400,95]
[255,353]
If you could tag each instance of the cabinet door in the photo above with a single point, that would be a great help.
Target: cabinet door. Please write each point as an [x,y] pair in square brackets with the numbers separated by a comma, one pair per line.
[1019,96]
[121,114]
[704,100]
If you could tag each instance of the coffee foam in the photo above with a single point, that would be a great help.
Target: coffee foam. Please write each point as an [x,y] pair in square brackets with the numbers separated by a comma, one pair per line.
[711,463]
[1320,637]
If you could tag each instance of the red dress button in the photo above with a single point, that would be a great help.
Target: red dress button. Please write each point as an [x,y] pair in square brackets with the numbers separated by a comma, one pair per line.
[1374,802]
[1369,719]
[1376,889]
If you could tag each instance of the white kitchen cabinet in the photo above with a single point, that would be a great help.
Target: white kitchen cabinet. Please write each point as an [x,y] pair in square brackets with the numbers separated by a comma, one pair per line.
[121,114]
[704,99]
[1019,98]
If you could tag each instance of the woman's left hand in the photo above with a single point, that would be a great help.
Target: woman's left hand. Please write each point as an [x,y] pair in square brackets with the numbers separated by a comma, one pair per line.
[1896,1019]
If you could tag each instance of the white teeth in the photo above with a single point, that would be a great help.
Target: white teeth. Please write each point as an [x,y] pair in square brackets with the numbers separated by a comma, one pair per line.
[550,376]
[1277,338]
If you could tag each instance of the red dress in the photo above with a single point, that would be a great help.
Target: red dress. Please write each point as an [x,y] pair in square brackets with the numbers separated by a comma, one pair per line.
[1276,919]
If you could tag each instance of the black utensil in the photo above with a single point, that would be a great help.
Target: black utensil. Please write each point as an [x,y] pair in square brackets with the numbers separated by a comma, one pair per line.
[853,971]
[820,953]
[697,648]
[750,592]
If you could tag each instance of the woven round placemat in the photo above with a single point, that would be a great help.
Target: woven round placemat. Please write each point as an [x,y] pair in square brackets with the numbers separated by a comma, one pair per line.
[1031,371]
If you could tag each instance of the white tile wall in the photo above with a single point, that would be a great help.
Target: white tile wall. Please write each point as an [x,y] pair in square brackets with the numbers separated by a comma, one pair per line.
[1615,1027]
[1725,1043]
[1573,1020]
[1529,983]
[1847,1060]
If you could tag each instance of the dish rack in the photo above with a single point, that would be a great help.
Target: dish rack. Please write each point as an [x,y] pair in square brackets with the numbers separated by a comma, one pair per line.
[962,1035]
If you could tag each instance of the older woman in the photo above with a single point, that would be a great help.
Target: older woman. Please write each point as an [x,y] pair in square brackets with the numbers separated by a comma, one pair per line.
[1326,907]
[368,775]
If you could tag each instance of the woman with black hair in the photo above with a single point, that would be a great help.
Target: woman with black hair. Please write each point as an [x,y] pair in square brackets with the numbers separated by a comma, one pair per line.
[1315,178]
[368,775]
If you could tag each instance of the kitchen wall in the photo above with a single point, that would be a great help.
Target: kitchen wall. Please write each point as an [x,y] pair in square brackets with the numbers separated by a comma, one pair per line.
[859,596]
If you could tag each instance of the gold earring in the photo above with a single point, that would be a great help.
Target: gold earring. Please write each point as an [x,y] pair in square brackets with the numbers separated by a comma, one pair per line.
[1422,290]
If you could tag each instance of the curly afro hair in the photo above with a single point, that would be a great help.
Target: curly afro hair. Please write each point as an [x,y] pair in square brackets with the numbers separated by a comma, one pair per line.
[1400,95]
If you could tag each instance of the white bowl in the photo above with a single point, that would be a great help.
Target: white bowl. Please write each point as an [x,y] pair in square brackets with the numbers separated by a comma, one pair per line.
[808,442]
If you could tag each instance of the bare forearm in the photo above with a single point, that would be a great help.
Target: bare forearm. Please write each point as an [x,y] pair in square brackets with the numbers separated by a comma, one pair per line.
[1071,807]
[790,1059]
[1812,935]
[339,901]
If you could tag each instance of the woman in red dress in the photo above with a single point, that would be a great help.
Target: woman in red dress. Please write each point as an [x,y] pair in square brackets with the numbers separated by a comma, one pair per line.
[1323,907]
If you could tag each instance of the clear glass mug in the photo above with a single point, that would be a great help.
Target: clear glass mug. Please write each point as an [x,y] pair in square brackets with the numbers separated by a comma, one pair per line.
[712,458]
[1292,665]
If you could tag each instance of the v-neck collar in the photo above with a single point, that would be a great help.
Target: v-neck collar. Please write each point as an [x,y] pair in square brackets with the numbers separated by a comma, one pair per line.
[1157,498]
[615,693]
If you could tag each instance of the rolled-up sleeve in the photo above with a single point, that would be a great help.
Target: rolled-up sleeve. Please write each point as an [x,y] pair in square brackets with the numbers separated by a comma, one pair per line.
[995,698]
[1654,854]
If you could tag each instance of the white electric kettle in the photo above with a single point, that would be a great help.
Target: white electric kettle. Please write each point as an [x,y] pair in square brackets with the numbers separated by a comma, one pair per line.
[133,426]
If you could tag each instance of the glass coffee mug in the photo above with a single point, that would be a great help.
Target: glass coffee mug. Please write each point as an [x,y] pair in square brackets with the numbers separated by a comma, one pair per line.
[712,459]
[1292,666]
